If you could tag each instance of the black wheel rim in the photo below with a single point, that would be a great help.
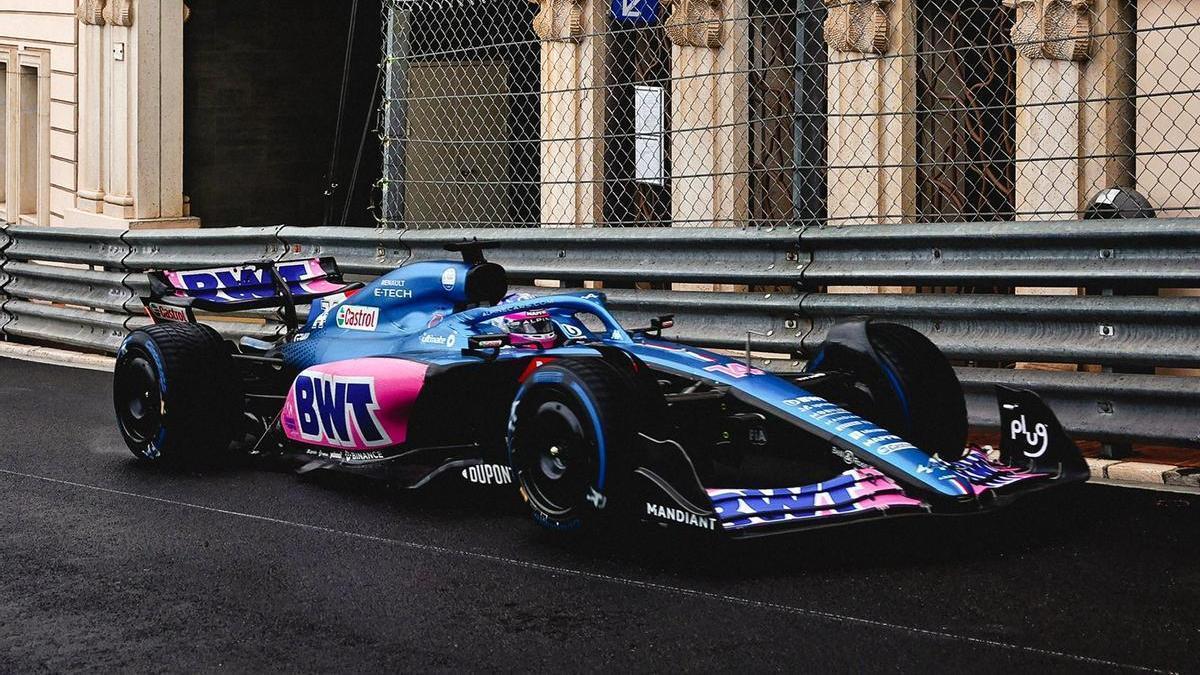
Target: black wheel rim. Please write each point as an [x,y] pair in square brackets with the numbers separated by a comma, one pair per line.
[557,462]
[139,399]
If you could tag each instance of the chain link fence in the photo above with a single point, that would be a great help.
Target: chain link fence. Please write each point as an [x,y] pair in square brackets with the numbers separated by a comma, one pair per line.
[566,113]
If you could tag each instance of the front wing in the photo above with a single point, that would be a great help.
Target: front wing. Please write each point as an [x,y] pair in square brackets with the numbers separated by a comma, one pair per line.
[1035,454]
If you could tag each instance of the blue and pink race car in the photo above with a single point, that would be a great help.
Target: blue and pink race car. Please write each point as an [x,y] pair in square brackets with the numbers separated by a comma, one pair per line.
[435,373]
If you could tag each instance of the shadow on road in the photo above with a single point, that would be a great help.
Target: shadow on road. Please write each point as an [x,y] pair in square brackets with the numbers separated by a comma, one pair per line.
[1052,518]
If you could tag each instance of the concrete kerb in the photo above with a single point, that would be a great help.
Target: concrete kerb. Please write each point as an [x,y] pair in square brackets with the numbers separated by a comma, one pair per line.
[56,357]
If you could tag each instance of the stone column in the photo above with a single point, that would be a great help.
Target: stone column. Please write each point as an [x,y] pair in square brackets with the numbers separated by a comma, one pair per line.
[157,160]
[43,140]
[872,94]
[1053,44]
[871,125]
[1108,120]
[12,124]
[131,115]
[572,111]
[89,197]
[119,90]
[710,148]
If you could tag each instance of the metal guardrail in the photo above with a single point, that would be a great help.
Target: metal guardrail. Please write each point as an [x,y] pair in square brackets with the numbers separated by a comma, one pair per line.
[71,326]
[358,250]
[615,255]
[184,249]
[5,317]
[81,288]
[1105,407]
[1119,254]
[1116,331]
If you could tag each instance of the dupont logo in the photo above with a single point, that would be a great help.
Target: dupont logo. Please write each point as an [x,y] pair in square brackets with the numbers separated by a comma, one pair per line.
[488,474]
[356,317]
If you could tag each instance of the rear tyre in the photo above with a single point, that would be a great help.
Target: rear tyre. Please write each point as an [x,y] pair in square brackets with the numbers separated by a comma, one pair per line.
[177,394]
[912,391]
[570,440]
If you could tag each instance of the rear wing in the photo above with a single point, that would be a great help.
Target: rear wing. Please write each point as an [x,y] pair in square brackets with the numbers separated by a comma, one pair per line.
[255,285]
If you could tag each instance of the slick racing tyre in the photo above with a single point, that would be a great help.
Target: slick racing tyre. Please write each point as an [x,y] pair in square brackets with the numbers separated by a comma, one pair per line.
[570,439]
[912,390]
[177,394]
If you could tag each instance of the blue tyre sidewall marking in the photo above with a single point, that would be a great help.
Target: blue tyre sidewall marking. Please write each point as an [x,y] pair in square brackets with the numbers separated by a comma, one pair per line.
[896,386]
[816,361]
[152,350]
[600,446]
[512,423]
[557,378]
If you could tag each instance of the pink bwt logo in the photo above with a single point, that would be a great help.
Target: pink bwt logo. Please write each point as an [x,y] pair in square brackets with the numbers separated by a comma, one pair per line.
[339,410]
[244,283]
[357,404]
[734,369]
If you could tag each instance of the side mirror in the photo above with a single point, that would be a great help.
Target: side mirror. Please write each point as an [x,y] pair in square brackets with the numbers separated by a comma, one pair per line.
[486,346]
[657,324]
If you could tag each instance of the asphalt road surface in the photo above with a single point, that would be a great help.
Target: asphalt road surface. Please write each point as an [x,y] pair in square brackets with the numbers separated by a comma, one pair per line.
[106,564]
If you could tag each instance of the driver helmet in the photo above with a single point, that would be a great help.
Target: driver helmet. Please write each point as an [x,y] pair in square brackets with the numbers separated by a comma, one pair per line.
[530,329]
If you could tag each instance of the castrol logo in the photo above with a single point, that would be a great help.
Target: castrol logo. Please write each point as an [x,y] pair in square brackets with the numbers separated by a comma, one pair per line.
[357,317]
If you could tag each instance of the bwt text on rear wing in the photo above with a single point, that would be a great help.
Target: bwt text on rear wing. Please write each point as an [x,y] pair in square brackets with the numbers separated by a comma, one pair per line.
[174,295]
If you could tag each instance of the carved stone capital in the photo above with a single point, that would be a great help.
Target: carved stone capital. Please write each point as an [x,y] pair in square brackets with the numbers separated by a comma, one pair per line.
[560,20]
[1052,29]
[119,13]
[695,23]
[857,26]
[90,12]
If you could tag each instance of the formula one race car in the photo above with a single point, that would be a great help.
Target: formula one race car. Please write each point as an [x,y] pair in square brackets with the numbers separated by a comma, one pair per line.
[434,373]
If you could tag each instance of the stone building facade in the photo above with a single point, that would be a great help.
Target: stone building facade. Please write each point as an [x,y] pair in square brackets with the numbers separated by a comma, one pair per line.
[94,112]
[842,118]
[796,111]
[110,106]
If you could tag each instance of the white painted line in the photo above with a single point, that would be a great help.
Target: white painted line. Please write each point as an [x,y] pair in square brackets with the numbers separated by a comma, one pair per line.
[56,357]
[623,581]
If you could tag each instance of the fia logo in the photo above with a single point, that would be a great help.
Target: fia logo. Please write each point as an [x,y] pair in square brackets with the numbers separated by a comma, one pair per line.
[339,410]
[1038,438]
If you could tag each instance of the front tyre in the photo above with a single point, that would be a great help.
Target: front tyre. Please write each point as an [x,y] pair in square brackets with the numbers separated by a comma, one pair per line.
[570,439]
[911,389]
[176,393]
